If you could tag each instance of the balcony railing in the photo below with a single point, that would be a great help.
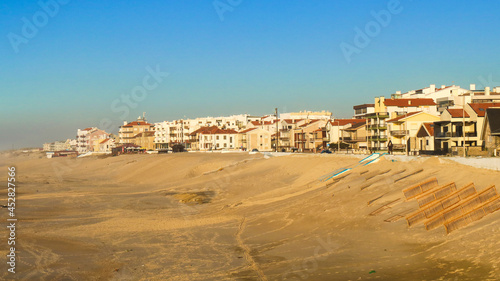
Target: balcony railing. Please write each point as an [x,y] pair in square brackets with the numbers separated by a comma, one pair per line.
[378,138]
[455,134]
[378,114]
[377,127]
[399,132]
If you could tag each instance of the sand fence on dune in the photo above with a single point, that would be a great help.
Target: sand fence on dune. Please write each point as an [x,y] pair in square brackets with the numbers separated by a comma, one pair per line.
[449,206]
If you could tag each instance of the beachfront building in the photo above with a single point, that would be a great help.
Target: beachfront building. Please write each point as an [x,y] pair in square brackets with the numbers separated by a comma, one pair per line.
[213,138]
[425,140]
[491,131]
[310,115]
[337,129]
[88,138]
[255,138]
[402,130]
[484,96]
[285,128]
[355,136]
[391,108]
[169,133]
[450,133]
[445,96]
[128,131]
[60,145]
[360,111]
[304,136]
[145,140]
[105,145]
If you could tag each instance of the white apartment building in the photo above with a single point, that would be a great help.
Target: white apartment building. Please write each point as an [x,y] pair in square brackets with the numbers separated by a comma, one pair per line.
[168,133]
[87,137]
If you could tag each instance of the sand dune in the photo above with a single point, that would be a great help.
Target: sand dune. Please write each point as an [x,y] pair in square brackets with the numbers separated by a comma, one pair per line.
[196,216]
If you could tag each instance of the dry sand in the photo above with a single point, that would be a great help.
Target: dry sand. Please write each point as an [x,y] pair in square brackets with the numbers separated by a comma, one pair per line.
[196,216]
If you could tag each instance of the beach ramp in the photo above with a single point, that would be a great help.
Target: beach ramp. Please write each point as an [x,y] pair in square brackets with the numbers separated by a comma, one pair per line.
[372,160]
[335,173]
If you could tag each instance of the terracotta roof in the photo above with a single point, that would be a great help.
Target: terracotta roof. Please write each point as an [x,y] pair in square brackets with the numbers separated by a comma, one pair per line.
[343,122]
[137,123]
[430,128]
[480,108]
[105,140]
[356,126]
[409,102]
[214,130]
[87,129]
[402,116]
[310,122]
[247,130]
[292,121]
[457,112]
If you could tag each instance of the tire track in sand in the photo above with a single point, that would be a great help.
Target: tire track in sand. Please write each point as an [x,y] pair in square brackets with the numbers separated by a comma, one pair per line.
[247,250]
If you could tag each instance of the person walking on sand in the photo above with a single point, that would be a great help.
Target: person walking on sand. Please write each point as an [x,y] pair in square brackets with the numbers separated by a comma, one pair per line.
[389,147]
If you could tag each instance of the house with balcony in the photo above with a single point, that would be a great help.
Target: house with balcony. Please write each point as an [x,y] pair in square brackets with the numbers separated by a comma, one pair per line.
[255,138]
[402,130]
[454,129]
[213,138]
[391,108]
[88,138]
[337,129]
[361,110]
[128,131]
[304,136]
[425,139]
[356,136]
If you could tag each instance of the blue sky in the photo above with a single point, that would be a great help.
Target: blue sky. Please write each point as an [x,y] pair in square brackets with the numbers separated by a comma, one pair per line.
[251,58]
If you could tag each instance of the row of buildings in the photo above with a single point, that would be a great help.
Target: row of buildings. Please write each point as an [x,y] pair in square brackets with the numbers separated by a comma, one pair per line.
[432,120]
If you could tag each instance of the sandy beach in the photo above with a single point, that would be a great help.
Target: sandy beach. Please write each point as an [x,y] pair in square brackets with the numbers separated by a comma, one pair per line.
[236,216]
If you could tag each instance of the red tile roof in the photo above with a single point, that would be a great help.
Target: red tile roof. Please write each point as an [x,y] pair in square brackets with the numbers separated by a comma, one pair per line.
[214,130]
[310,122]
[402,116]
[409,102]
[105,140]
[480,108]
[343,122]
[457,112]
[247,130]
[137,123]
[430,128]
[292,121]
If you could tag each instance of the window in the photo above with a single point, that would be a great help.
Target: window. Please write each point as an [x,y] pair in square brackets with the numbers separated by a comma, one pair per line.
[225,144]
[230,139]
[427,142]
[217,145]
[225,137]
[217,137]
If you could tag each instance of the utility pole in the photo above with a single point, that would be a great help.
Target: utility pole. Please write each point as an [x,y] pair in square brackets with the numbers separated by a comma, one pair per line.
[277,133]
[463,126]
